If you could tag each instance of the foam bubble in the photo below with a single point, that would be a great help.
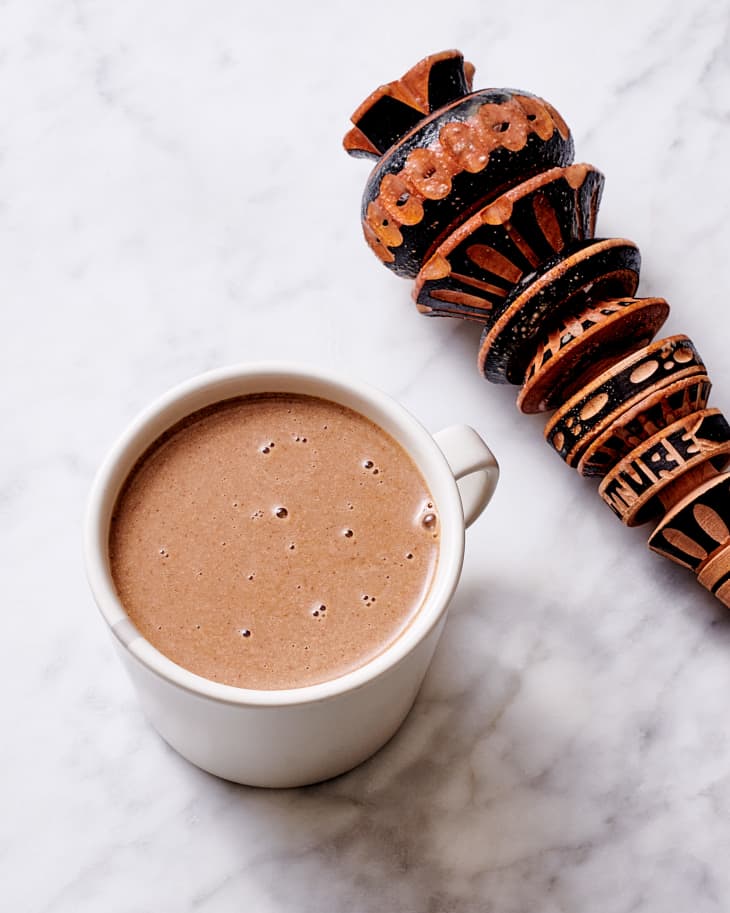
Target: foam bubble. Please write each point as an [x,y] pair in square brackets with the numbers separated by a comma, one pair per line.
[429,520]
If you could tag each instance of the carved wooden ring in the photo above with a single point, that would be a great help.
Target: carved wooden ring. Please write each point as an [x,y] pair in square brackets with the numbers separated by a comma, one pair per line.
[591,340]
[694,528]
[632,487]
[714,574]
[599,403]
[660,406]
[472,272]
[607,268]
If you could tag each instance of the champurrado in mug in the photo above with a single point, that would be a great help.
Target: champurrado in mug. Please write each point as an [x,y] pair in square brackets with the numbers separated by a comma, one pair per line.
[273,541]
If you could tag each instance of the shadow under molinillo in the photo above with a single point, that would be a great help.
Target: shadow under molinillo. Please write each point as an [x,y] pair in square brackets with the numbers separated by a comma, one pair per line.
[461,340]
[468,808]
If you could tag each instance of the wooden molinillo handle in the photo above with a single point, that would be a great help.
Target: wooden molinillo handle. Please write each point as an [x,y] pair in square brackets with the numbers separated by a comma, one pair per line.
[476,197]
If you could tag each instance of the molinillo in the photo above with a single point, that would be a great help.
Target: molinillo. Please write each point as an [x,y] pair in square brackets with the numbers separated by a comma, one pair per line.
[475,196]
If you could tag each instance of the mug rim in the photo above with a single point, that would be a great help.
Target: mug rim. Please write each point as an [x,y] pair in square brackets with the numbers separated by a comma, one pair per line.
[142,431]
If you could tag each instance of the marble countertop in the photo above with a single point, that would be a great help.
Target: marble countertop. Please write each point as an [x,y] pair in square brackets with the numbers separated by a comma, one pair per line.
[174,197]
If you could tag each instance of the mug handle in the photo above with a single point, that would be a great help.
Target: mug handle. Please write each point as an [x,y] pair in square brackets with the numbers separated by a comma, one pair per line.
[474,467]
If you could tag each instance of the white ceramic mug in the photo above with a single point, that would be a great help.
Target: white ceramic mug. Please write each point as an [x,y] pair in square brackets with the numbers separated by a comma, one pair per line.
[300,735]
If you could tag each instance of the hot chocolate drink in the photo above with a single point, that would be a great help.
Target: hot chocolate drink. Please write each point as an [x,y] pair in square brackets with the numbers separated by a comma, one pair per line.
[273,541]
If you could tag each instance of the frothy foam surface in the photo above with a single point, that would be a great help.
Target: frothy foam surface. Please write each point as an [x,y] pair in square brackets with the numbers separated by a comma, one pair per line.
[274,541]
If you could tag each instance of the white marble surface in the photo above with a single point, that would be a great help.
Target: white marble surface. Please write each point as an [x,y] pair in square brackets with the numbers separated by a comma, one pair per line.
[173,197]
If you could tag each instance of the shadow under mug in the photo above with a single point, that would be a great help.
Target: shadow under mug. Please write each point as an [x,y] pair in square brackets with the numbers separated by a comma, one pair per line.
[301,735]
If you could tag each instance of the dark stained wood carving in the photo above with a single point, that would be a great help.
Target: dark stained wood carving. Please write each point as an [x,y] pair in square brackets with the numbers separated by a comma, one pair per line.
[661,405]
[632,488]
[714,575]
[394,109]
[473,271]
[608,268]
[696,526]
[583,344]
[435,162]
[598,404]
[696,534]
[474,195]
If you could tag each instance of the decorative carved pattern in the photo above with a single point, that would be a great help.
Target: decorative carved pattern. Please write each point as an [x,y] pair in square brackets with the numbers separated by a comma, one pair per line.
[660,406]
[585,343]
[393,109]
[714,575]
[694,528]
[597,405]
[632,488]
[445,153]
[472,272]
[608,268]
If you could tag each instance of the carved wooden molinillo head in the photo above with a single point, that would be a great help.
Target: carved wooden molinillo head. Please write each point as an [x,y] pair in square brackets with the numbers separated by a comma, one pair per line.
[443,152]
[474,195]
